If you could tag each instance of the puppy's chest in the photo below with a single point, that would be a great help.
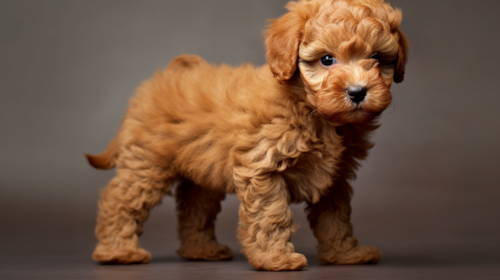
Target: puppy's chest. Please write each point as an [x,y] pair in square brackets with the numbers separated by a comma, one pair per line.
[315,171]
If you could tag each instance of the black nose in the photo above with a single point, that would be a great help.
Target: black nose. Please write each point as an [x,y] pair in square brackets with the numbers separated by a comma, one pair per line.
[356,93]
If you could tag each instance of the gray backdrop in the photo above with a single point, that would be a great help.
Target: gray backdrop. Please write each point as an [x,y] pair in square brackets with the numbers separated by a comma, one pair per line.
[428,192]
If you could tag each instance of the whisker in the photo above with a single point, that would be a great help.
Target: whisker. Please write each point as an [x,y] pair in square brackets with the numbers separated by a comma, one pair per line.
[392,107]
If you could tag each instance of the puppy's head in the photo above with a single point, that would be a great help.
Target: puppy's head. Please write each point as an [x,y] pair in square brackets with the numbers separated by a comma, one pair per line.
[347,52]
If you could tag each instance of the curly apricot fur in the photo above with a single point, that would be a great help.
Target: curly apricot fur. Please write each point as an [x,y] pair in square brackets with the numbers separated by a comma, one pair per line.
[283,133]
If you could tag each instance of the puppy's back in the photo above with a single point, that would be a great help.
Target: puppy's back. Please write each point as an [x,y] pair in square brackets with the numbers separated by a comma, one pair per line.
[193,114]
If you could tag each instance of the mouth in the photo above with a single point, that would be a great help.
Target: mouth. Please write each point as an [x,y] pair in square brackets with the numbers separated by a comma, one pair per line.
[357,109]
[354,113]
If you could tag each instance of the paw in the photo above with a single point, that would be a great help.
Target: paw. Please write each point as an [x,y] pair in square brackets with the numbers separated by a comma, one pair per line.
[357,255]
[278,262]
[209,252]
[108,255]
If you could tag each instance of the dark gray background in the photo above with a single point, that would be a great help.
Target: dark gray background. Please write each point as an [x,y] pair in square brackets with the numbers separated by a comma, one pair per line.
[427,196]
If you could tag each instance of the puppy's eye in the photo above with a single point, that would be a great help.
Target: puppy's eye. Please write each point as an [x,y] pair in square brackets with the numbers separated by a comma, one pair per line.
[374,56]
[327,60]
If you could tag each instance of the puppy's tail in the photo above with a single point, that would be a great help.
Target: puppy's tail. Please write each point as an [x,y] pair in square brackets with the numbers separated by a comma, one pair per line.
[106,160]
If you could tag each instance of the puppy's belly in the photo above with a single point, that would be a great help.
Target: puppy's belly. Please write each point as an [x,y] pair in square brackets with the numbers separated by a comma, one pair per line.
[310,178]
[206,161]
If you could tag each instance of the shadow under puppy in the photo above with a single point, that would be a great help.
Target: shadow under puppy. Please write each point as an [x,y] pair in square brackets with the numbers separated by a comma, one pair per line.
[290,131]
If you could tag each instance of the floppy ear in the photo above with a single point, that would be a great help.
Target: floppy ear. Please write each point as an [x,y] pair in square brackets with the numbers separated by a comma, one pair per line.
[404,45]
[282,41]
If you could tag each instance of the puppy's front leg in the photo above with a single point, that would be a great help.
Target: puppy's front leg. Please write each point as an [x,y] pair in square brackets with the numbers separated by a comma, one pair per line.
[266,224]
[330,222]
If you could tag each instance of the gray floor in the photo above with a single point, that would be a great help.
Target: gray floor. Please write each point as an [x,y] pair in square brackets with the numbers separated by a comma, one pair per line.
[172,267]
[50,244]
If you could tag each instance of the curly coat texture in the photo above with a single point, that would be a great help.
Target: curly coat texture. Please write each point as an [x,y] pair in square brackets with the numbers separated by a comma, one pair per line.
[283,133]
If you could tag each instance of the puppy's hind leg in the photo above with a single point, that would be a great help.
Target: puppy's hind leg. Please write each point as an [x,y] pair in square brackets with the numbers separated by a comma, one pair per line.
[330,221]
[197,209]
[125,203]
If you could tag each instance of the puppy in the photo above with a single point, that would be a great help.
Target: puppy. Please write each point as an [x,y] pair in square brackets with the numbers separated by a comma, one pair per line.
[293,130]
